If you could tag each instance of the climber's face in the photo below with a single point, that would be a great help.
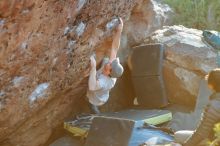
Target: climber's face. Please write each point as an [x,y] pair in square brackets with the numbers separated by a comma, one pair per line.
[107,69]
[211,87]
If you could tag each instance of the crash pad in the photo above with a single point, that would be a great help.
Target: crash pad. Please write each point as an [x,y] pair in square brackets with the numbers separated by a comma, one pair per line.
[122,132]
[82,123]
[148,136]
[153,117]
[147,77]
[110,131]
[212,37]
[66,141]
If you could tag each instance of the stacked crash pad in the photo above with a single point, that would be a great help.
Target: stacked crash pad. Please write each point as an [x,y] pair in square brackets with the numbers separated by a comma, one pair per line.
[146,70]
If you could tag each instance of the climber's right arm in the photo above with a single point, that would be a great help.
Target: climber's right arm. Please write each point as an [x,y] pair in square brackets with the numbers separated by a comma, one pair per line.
[116,41]
[93,82]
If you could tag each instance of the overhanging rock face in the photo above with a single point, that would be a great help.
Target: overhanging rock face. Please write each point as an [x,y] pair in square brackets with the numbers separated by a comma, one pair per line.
[44,49]
[44,55]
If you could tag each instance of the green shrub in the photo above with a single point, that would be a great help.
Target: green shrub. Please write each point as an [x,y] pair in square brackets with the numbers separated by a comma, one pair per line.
[216,141]
[199,14]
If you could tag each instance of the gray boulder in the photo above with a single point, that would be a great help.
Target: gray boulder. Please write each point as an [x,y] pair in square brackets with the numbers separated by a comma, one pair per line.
[188,58]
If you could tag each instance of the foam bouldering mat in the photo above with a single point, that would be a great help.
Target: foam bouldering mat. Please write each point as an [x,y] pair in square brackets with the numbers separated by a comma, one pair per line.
[141,135]
[150,91]
[146,63]
[82,123]
[110,131]
[153,117]
[147,60]
[66,141]
[213,38]
[122,132]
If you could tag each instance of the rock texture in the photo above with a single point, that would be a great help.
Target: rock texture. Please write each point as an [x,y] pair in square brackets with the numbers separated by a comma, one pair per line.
[44,54]
[188,58]
[145,18]
[44,49]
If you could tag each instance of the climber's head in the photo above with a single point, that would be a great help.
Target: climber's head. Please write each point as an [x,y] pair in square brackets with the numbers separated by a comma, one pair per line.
[107,69]
[214,79]
[117,69]
[113,69]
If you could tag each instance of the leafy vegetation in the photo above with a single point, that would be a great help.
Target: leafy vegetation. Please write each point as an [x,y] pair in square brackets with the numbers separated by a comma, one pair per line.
[216,141]
[200,14]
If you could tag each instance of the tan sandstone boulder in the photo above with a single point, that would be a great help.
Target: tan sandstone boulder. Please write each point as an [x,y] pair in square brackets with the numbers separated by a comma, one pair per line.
[44,54]
[44,58]
[188,58]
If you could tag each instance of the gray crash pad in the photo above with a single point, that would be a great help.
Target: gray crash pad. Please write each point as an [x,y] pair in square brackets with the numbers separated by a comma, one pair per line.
[67,141]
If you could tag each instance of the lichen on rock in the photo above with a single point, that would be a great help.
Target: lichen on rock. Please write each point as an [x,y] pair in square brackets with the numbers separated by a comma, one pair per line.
[39,92]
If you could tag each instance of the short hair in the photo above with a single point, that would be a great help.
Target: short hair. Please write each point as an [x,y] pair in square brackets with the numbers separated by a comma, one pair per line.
[214,79]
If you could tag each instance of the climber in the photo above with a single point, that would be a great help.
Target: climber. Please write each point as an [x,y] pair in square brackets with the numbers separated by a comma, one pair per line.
[103,80]
[210,116]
